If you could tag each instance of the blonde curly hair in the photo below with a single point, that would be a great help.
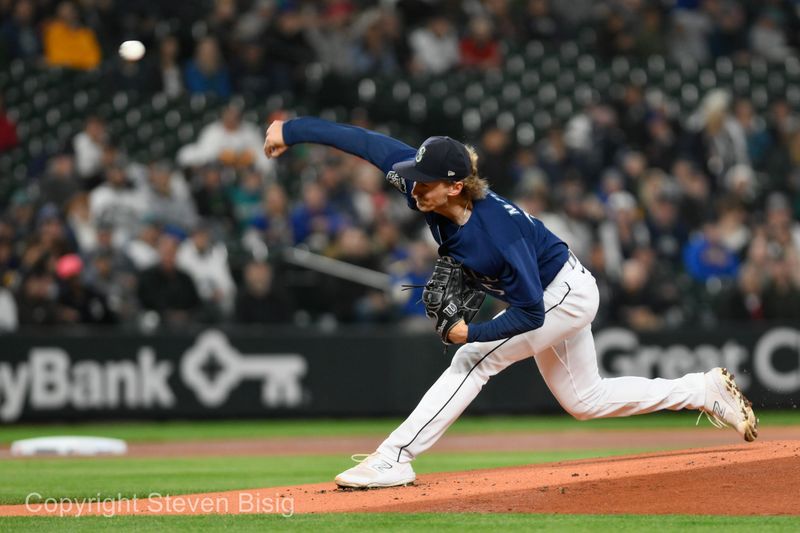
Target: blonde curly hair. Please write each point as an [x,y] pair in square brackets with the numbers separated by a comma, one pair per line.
[475,187]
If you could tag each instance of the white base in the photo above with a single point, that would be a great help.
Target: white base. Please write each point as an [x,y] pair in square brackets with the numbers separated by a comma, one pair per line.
[69,446]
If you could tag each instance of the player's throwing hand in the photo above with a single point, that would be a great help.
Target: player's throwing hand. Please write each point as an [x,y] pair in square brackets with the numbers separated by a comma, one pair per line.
[274,145]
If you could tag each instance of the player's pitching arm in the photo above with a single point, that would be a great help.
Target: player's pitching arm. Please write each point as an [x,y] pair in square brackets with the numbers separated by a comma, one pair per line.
[380,150]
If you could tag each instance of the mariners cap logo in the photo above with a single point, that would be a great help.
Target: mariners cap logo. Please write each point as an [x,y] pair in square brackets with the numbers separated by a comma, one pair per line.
[439,158]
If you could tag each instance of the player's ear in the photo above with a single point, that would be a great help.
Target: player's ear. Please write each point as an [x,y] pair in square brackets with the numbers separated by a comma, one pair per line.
[455,188]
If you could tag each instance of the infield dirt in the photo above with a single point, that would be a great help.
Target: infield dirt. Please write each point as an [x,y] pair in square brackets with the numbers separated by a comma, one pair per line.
[762,478]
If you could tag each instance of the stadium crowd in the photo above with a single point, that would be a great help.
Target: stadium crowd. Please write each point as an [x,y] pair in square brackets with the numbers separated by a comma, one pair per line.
[689,221]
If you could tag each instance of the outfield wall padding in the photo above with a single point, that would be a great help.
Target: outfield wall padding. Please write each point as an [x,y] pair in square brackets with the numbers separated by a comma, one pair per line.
[287,372]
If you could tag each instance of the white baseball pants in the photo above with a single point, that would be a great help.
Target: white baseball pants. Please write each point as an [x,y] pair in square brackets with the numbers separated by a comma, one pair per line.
[564,352]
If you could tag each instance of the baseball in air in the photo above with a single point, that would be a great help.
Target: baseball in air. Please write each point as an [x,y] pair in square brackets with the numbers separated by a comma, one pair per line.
[131,50]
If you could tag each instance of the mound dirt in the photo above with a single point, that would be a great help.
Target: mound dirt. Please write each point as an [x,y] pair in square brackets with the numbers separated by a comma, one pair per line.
[750,479]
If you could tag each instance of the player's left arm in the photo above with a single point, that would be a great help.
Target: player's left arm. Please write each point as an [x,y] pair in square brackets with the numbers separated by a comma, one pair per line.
[524,293]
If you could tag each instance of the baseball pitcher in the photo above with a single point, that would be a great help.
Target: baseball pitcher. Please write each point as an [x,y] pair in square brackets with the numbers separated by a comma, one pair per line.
[487,244]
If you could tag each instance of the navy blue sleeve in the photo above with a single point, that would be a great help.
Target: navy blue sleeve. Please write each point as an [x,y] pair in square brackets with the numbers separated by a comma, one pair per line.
[380,150]
[514,321]
[523,291]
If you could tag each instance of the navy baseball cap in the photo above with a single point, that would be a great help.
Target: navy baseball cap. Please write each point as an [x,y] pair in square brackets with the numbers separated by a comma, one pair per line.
[439,158]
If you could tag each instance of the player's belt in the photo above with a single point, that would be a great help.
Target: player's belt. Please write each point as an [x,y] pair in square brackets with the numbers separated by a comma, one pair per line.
[573,261]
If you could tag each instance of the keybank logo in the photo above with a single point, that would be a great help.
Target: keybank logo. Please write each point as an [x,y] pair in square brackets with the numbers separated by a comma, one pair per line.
[279,374]
[49,379]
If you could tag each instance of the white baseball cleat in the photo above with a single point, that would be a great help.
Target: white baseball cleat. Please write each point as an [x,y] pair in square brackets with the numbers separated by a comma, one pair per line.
[727,406]
[375,471]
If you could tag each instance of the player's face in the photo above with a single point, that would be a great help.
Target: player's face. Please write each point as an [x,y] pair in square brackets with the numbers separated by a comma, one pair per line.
[432,196]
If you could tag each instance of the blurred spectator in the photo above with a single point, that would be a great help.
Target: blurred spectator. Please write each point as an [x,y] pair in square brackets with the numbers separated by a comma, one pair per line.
[368,196]
[68,43]
[143,250]
[79,220]
[288,49]
[79,304]
[9,260]
[221,22]
[20,34]
[388,242]
[719,142]
[695,192]
[51,238]
[334,178]
[60,183]
[314,221]
[88,146]
[212,197]
[782,294]
[168,68]
[331,37]
[650,37]
[9,321]
[137,76]
[206,72]
[271,227]
[668,233]
[21,213]
[261,301]
[706,257]
[115,284]
[503,18]
[783,232]
[745,302]
[350,301]
[254,23]
[246,198]
[230,141]
[206,262]
[740,182]
[478,48]
[755,131]
[689,39]
[414,270]
[434,46]
[622,233]
[250,70]
[616,35]
[118,203]
[767,37]
[167,198]
[553,154]
[569,222]
[8,130]
[732,224]
[539,23]
[166,289]
[496,159]
[729,36]
[374,52]
[37,300]
[635,303]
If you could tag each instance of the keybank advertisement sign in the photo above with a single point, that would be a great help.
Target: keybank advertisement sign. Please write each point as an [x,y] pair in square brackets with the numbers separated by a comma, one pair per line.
[205,375]
[301,373]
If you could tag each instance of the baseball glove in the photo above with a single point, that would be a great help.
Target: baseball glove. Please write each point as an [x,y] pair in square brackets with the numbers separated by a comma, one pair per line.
[447,299]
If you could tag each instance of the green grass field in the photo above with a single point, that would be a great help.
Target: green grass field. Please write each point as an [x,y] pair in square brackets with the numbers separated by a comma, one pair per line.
[250,429]
[126,477]
[421,522]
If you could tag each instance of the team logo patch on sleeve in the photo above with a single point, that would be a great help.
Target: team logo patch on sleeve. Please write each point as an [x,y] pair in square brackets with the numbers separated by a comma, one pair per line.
[396,181]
